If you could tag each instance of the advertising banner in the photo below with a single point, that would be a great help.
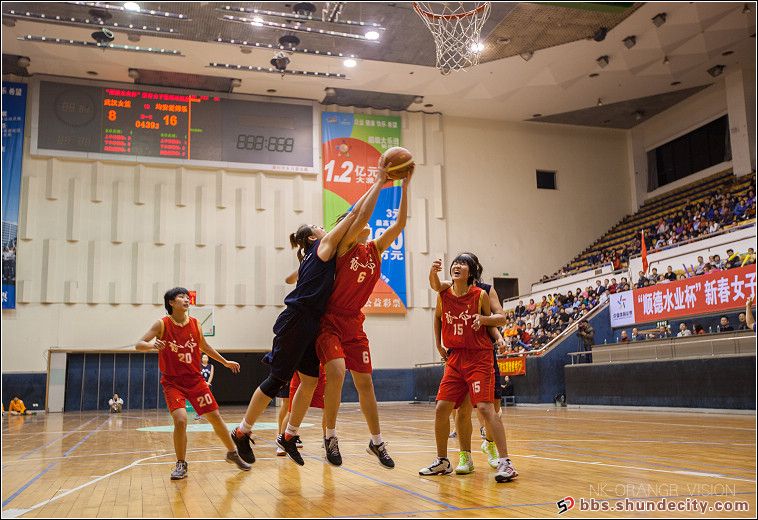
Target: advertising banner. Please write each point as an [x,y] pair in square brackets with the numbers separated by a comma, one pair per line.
[706,294]
[512,366]
[14,116]
[352,145]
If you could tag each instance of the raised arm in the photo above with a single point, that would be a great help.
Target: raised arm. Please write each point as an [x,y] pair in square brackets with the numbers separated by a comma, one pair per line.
[361,212]
[749,318]
[389,236]
[434,279]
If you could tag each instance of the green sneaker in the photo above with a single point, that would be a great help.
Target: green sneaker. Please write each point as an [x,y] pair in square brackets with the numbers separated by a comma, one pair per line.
[465,464]
[489,449]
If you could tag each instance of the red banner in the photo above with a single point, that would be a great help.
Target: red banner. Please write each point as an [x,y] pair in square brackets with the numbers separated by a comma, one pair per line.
[705,294]
[512,366]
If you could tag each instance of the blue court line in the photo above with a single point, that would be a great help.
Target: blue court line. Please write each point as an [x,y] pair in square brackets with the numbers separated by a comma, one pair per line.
[38,475]
[395,486]
[32,481]
[79,430]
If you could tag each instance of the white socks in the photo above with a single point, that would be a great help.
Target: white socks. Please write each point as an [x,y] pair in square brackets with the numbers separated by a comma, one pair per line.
[291,430]
[331,432]
[244,427]
[377,439]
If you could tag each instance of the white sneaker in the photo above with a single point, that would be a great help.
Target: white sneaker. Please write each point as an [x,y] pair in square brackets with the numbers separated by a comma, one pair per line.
[280,452]
[489,449]
[440,466]
[465,464]
[505,472]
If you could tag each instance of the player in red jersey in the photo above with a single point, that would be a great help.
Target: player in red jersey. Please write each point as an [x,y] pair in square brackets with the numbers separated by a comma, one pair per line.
[176,338]
[342,344]
[468,364]
[463,418]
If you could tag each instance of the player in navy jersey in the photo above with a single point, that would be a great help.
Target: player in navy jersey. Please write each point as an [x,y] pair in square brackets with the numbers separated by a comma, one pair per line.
[297,326]
[463,418]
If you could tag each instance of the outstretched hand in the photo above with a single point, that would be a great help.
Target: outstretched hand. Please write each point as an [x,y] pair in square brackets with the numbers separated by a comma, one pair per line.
[233,366]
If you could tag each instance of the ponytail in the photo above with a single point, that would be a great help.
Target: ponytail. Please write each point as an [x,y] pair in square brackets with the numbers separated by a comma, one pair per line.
[300,240]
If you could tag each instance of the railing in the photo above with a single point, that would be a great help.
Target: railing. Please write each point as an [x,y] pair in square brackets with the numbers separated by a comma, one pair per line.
[736,343]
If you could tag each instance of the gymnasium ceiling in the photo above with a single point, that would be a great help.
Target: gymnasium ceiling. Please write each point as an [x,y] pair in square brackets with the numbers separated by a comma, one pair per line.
[555,85]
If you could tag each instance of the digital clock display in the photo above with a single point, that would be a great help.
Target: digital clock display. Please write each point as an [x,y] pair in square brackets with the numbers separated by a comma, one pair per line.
[196,127]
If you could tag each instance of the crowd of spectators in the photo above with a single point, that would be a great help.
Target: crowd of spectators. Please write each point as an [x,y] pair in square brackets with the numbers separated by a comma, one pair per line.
[532,326]
[730,260]
[693,221]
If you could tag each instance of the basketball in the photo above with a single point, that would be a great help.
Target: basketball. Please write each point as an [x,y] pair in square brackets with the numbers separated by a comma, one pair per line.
[397,162]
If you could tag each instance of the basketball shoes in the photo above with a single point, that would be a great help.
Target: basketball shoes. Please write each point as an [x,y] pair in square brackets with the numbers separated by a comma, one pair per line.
[180,471]
[465,463]
[440,466]
[489,449]
[333,455]
[290,447]
[232,457]
[505,471]
[380,450]
[243,443]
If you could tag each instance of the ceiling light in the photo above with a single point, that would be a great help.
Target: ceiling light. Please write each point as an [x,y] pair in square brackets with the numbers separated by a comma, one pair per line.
[257,22]
[92,72]
[418,99]
[372,35]
[603,61]
[503,41]
[600,34]
[526,56]
[428,105]
[630,41]
[716,70]
[294,28]
[330,91]
[271,90]
[599,102]
[350,63]
[659,19]
[280,61]
[132,6]
[273,70]
[134,74]
[477,47]
[103,46]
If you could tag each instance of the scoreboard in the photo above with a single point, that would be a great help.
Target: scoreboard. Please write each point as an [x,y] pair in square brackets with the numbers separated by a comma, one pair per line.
[204,128]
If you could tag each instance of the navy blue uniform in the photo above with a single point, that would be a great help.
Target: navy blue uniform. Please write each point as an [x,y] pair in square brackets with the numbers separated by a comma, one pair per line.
[205,371]
[498,389]
[297,326]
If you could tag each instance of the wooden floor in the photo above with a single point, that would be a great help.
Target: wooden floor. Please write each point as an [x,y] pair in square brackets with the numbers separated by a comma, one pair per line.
[96,465]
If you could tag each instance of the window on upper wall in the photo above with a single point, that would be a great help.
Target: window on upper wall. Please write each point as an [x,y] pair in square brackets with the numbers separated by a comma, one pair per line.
[546,180]
[693,152]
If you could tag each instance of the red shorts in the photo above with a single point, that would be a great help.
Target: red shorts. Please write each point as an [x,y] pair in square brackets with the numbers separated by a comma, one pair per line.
[343,337]
[468,371]
[196,390]
[317,401]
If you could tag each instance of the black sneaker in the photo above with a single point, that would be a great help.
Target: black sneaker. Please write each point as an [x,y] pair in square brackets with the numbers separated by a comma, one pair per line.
[381,453]
[299,444]
[333,451]
[243,443]
[290,448]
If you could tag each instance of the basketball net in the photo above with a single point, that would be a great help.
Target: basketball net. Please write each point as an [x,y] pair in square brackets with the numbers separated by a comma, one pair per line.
[456,29]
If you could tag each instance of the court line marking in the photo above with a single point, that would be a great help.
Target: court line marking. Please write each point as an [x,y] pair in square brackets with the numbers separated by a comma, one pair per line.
[79,430]
[38,475]
[698,426]
[12,513]
[87,455]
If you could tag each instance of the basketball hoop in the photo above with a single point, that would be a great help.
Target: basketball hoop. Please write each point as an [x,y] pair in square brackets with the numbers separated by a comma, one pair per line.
[456,31]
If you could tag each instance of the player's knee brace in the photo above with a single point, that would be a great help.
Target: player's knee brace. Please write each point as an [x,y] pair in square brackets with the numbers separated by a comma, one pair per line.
[271,386]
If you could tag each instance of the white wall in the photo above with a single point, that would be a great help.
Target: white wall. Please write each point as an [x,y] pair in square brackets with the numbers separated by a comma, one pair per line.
[99,242]
[496,209]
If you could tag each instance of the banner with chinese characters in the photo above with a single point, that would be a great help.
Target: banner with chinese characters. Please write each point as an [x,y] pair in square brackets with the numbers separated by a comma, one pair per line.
[512,366]
[14,116]
[352,145]
[709,293]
